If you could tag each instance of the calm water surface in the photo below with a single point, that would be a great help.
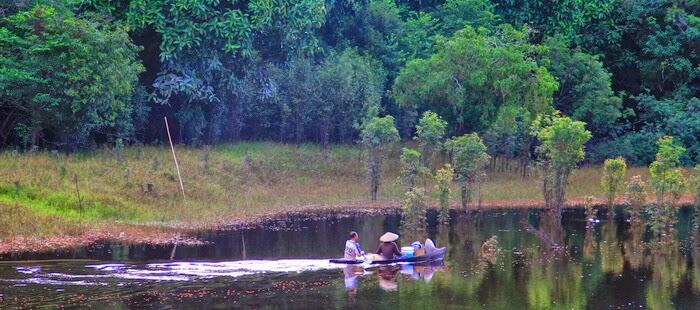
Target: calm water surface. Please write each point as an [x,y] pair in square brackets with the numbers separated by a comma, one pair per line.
[544,263]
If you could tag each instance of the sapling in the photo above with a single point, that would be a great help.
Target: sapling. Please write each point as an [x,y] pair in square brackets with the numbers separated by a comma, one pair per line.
[377,135]
[469,159]
[613,179]
[414,214]
[443,178]
[410,168]
[636,197]
[430,132]
[562,148]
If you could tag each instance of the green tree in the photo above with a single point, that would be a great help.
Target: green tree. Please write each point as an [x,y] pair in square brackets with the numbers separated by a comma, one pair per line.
[473,75]
[410,168]
[430,133]
[585,90]
[350,88]
[377,135]
[636,197]
[455,14]
[443,179]
[469,159]
[562,148]
[64,78]
[666,176]
[613,179]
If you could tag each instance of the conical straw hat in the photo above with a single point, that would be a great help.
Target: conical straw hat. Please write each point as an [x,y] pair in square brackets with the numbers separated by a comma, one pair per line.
[388,237]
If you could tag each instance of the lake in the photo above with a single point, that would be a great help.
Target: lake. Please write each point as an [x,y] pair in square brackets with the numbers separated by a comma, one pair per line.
[542,262]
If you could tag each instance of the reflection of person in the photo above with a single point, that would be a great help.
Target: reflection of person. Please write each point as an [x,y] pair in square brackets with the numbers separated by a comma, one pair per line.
[388,248]
[352,247]
[387,278]
[351,273]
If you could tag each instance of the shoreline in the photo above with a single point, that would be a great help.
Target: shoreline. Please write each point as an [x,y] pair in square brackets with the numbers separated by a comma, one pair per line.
[183,235]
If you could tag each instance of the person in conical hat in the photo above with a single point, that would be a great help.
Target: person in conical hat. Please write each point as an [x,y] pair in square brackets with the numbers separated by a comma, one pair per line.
[388,248]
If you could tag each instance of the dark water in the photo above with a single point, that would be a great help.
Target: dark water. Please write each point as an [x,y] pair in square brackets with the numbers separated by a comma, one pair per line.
[544,263]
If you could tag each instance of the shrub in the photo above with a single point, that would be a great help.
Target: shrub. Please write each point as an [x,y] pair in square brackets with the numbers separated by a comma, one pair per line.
[443,178]
[614,170]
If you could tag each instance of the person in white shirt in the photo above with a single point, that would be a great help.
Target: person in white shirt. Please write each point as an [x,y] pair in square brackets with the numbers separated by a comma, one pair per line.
[352,247]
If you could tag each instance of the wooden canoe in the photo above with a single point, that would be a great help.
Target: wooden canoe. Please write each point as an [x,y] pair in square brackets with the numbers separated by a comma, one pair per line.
[434,256]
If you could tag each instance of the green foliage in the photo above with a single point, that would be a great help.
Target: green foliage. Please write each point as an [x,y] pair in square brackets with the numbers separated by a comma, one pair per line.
[443,179]
[696,185]
[469,159]
[585,91]
[509,134]
[666,177]
[567,17]
[562,143]
[410,168]
[430,132]
[473,75]
[562,148]
[636,197]
[64,78]
[455,14]
[377,135]
[350,88]
[614,170]
[413,221]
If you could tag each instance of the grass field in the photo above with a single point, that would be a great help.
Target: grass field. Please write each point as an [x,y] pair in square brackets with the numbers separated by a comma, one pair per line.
[43,194]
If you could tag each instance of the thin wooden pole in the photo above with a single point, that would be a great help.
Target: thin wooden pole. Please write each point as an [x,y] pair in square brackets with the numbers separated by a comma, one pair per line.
[177,166]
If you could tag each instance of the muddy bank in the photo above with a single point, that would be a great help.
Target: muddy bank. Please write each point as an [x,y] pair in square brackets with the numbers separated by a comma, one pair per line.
[16,248]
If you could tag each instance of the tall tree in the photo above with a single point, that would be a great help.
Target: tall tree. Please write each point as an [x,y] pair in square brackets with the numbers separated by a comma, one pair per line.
[473,75]
[469,159]
[377,135]
[562,148]
[64,78]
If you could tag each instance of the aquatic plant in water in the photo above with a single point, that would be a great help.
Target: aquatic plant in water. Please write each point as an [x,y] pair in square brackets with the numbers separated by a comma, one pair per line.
[636,197]
[443,178]
[413,222]
[613,179]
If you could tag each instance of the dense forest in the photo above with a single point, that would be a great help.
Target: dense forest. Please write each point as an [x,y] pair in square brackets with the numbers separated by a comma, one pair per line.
[82,73]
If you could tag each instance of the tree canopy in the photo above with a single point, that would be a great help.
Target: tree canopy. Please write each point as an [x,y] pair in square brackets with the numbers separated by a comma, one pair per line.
[315,70]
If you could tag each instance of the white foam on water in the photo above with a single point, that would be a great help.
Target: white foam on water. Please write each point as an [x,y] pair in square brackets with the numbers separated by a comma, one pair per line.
[184,271]
[96,274]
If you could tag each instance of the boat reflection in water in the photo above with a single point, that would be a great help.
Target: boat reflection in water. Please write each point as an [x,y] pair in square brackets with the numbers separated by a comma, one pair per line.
[387,274]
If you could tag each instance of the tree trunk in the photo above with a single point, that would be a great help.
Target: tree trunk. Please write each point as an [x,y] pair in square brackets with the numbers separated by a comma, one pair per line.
[464,194]
[559,190]
[547,186]
[326,132]
[299,129]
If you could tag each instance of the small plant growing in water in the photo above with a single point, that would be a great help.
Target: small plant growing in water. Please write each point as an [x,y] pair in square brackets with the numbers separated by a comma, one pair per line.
[430,132]
[613,180]
[469,159]
[443,178]
[666,176]
[562,141]
[636,197]
[377,135]
[414,209]
[410,168]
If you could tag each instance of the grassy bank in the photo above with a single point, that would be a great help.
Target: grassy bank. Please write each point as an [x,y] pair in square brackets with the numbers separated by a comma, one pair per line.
[45,194]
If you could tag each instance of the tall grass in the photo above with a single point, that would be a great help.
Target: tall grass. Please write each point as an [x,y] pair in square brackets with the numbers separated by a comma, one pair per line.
[224,183]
